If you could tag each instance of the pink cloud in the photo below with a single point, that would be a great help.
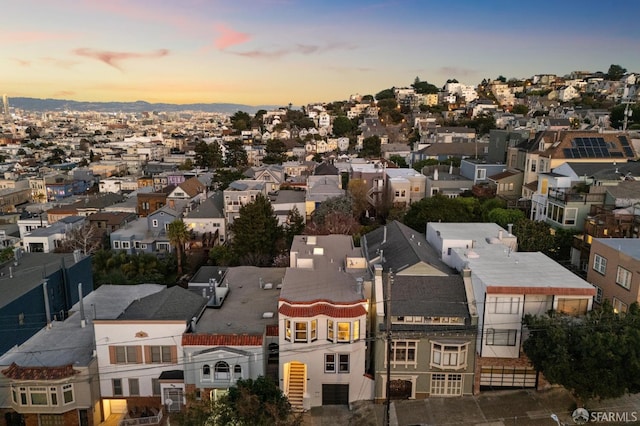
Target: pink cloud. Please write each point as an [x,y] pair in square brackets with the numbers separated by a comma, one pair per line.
[114,58]
[64,93]
[22,62]
[60,63]
[229,37]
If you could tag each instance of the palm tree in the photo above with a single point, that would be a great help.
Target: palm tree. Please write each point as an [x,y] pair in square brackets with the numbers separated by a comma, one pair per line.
[178,235]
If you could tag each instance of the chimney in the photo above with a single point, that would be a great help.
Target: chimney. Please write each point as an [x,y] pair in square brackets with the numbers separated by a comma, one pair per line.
[510,227]
[83,322]
[47,312]
[500,234]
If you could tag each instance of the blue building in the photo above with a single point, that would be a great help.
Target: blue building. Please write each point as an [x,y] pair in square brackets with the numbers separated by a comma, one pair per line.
[36,288]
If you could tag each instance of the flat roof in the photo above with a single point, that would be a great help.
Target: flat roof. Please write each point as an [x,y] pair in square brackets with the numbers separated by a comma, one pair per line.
[476,231]
[628,246]
[246,302]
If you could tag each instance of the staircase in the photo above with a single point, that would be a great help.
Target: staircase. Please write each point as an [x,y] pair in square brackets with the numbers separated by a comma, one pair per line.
[297,377]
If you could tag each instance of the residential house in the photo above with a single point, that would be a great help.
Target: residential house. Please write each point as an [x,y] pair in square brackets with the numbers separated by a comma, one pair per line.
[431,312]
[446,151]
[507,184]
[322,319]
[239,193]
[59,385]
[287,200]
[146,337]
[320,188]
[146,235]
[446,181]
[404,186]
[272,175]
[58,187]
[231,342]
[192,190]
[25,281]
[148,202]
[487,255]
[614,265]
[107,222]
[207,220]
[47,240]
[479,170]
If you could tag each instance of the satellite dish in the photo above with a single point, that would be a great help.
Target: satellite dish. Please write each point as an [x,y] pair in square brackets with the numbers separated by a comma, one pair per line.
[168,401]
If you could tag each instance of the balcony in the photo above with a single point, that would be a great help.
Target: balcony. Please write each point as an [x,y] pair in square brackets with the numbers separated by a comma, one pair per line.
[151,417]
[575,197]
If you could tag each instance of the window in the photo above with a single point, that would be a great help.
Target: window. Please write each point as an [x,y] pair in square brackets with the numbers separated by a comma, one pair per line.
[533,165]
[23,396]
[206,372]
[301,332]
[343,363]
[330,330]
[356,330]
[404,352]
[449,355]
[116,244]
[237,371]
[600,264]
[570,216]
[155,387]
[126,245]
[67,394]
[125,355]
[134,387]
[504,305]
[329,363]
[53,393]
[154,223]
[623,277]
[598,294]
[344,331]
[287,330]
[160,354]
[573,307]
[117,387]
[314,330]
[481,174]
[619,306]
[38,396]
[145,205]
[221,370]
[501,337]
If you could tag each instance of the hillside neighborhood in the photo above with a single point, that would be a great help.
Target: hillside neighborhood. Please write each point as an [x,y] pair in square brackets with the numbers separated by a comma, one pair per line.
[421,242]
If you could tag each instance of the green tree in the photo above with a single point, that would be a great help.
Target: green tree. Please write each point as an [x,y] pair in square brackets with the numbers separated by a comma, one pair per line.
[520,109]
[420,164]
[222,255]
[178,235]
[385,94]
[424,87]
[275,152]
[572,351]
[256,233]
[533,235]
[399,161]
[236,154]
[615,72]
[222,178]
[187,165]
[342,126]
[504,217]
[295,226]
[240,121]
[441,209]
[502,79]
[371,147]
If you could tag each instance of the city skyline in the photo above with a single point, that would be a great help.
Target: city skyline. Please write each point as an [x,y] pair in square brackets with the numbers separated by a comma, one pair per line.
[284,51]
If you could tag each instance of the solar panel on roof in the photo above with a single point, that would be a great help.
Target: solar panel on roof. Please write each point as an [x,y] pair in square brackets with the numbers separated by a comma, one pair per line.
[616,154]
[567,153]
[628,151]
[623,140]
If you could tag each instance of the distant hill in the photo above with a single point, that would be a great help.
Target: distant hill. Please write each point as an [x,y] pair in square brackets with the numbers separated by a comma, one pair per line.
[41,105]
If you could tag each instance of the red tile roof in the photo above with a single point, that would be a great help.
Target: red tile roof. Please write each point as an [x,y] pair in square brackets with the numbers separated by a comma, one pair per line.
[322,309]
[16,372]
[221,340]
[272,330]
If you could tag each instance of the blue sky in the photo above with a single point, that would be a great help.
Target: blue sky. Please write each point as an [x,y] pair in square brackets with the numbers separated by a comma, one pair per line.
[280,51]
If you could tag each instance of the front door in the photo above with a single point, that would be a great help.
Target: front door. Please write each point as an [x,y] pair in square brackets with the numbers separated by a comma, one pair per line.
[400,389]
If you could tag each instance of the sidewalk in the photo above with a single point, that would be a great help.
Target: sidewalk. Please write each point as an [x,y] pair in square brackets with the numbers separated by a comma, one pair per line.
[500,408]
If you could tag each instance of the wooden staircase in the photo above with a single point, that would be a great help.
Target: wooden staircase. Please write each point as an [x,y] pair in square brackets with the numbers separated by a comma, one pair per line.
[295,393]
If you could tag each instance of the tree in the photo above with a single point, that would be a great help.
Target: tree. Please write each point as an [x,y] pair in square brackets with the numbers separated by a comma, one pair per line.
[187,165]
[502,79]
[342,126]
[357,189]
[371,147]
[257,402]
[520,109]
[399,161]
[236,154]
[178,235]
[275,152]
[256,233]
[208,155]
[295,226]
[240,121]
[222,178]
[504,217]
[533,235]
[424,87]
[572,351]
[86,238]
[420,164]
[441,209]
[615,72]
[385,94]
[333,216]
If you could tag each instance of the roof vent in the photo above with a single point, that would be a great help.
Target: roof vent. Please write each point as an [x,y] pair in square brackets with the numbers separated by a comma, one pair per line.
[267,315]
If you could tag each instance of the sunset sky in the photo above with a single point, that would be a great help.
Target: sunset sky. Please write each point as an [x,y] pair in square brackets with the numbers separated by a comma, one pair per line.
[300,51]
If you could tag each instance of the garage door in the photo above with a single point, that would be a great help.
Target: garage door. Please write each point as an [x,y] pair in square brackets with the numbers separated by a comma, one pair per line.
[335,394]
[507,377]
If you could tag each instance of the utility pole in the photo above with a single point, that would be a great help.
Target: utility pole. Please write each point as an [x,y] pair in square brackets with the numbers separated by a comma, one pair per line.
[387,312]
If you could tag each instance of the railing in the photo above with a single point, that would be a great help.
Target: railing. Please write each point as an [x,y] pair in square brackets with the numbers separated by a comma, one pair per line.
[152,420]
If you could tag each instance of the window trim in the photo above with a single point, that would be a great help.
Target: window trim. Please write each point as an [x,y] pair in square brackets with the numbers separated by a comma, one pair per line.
[134,385]
[511,336]
[625,282]
[599,264]
[444,352]
[219,372]
[409,347]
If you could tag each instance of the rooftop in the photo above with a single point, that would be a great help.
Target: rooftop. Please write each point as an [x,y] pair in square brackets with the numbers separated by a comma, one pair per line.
[628,246]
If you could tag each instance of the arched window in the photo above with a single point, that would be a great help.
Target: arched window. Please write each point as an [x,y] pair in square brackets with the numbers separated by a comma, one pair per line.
[206,372]
[221,370]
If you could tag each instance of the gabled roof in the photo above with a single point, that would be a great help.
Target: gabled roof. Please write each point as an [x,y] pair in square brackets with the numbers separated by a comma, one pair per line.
[192,187]
[174,303]
[429,296]
[325,169]
[209,208]
[404,249]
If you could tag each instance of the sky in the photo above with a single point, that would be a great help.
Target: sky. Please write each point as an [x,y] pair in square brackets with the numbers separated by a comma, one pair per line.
[276,52]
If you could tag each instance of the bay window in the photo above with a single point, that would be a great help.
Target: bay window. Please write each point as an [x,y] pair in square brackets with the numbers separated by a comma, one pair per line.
[449,355]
